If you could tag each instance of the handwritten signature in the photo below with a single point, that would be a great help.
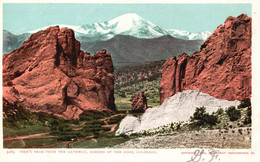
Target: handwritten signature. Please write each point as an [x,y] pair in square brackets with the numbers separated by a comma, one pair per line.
[199,155]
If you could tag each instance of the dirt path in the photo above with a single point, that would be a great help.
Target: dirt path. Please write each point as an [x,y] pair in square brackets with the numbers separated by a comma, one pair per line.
[107,118]
[123,102]
[74,125]
[68,143]
[38,135]
[112,128]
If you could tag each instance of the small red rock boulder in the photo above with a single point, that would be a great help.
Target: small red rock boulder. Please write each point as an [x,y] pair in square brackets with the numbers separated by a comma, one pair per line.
[139,103]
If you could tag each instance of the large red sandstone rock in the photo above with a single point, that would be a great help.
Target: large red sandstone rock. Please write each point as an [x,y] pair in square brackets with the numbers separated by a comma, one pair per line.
[49,73]
[222,68]
[139,103]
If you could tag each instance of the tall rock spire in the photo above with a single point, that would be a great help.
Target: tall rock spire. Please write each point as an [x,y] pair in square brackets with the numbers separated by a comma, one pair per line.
[222,68]
[49,73]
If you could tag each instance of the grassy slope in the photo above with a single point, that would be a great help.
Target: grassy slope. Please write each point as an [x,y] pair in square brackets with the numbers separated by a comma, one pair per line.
[20,122]
[89,124]
[132,80]
[38,127]
[150,88]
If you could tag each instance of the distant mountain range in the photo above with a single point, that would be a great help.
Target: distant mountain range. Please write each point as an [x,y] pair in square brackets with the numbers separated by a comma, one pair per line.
[12,42]
[129,24]
[128,50]
[129,38]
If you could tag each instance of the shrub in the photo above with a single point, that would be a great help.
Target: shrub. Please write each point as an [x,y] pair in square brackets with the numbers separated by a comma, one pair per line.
[248,119]
[67,136]
[233,113]
[199,113]
[240,131]
[200,117]
[210,119]
[57,126]
[19,117]
[249,111]
[93,128]
[105,129]
[93,115]
[116,120]
[244,103]
[220,111]
[131,98]
[178,127]
[122,94]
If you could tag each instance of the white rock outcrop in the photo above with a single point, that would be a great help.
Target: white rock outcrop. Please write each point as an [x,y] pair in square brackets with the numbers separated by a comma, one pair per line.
[176,108]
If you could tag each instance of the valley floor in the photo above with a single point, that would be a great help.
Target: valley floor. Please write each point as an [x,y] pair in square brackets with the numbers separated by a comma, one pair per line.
[238,138]
[46,140]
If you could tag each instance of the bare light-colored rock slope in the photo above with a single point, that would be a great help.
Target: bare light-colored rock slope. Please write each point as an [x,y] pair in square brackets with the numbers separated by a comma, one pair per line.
[177,108]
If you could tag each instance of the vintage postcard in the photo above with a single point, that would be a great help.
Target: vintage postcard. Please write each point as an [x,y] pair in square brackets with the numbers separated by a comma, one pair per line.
[126,81]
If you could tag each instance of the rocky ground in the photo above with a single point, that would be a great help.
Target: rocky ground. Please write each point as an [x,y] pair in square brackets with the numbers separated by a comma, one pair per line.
[238,138]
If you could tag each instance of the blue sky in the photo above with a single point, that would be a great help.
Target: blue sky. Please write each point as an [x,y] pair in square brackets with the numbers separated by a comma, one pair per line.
[19,18]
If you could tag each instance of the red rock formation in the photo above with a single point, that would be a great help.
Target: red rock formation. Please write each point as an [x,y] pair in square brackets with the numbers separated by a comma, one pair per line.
[139,103]
[222,68]
[49,73]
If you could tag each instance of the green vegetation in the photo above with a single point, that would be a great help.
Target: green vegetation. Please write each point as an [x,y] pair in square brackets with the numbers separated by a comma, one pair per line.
[116,119]
[91,130]
[38,127]
[150,88]
[202,120]
[123,105]
[200,117]
[134,79]
[18,121]
[133,74]
[96,125]
[233,113]
[94,115]
[63,131]
[27,143]
[230,118]
[220,111]
[245,103]
[248,119]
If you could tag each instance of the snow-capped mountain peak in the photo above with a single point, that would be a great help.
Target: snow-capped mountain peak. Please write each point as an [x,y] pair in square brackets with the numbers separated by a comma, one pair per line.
[201,35]
[129,17]
[128,24]
[189,36]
